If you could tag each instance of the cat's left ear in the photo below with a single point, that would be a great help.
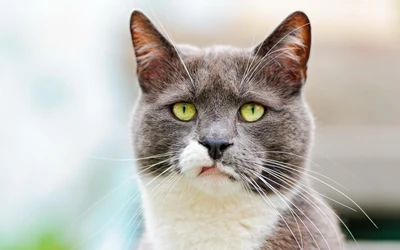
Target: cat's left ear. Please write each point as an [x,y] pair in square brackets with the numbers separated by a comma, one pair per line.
[154,53]
[289,46]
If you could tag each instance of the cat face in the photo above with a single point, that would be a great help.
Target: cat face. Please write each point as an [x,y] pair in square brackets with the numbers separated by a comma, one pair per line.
[221,117]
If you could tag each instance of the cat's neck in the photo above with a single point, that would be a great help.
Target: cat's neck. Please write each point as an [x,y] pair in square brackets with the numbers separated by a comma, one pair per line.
[179,216]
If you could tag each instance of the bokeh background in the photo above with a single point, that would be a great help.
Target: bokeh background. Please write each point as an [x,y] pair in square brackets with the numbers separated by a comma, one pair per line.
[67,85]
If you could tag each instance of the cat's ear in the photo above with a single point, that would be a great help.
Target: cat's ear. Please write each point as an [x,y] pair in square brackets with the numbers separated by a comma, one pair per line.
[289,46]
[154,53]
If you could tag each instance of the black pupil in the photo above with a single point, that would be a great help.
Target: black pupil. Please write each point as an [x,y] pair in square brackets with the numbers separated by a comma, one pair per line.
[184,108]
[252,109]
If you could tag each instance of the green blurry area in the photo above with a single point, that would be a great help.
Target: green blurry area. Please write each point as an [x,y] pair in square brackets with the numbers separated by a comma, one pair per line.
[53,238]
[42,239]
[362,229]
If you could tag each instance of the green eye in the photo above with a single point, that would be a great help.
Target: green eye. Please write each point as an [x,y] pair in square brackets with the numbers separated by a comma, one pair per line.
[251,112]
[184,111]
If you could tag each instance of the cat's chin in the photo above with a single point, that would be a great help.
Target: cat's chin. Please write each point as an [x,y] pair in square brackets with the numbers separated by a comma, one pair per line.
[216,187]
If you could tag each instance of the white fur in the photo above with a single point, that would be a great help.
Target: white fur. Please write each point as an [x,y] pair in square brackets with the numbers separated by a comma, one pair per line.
[182,212]
[292,44]
[146,53]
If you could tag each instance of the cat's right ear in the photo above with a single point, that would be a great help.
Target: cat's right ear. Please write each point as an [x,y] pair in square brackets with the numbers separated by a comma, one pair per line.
[154,53]
[289,46]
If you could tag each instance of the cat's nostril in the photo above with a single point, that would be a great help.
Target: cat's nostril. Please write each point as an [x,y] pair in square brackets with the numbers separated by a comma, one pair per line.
[215,146]
[224,146]
[205,144]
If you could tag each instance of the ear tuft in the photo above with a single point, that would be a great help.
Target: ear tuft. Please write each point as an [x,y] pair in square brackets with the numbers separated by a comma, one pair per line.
[289,45]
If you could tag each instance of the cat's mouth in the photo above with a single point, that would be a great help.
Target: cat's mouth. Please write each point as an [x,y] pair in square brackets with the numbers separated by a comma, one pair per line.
[212,171]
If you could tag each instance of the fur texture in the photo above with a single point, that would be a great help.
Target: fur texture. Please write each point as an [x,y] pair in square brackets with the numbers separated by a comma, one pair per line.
[260,197]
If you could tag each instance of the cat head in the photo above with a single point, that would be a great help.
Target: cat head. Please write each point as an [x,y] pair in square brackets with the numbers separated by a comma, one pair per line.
[223,117]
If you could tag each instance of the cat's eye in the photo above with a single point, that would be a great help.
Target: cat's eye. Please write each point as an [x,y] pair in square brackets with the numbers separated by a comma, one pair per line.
[251,112]
[184,111]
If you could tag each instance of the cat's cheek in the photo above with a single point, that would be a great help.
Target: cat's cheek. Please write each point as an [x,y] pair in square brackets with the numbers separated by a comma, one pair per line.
[193,158]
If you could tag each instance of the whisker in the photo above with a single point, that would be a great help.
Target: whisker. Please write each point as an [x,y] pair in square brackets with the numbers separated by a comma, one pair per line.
[104,226]
[132,219]
[248,190]
[249,64]
[154,193]
[131,199]
[334,213]
[173,182]
[262,62]
[101,200]
[173,45]
[346,196]
[163,172]
[153,165]
[130,205]
[293,154]
[263,196]
[301,172]
[130,159]
[293,186]
[294,168]
[133,233]
[279,41]
[281,196]
[291,211]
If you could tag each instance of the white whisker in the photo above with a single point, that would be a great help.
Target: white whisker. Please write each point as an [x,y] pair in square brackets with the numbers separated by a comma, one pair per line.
[295,185]
[263,196]
[293,167]
[130,159]
[323,203]
[270,50]
[346,196]
[282,197]
[173,45]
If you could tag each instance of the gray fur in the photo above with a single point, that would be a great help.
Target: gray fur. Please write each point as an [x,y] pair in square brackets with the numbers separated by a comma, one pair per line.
[218,91]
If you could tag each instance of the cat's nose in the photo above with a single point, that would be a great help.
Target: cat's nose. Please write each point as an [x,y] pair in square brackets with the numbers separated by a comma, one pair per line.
[215,146]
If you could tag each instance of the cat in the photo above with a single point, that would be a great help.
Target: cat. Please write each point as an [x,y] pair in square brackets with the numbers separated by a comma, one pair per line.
[223,135]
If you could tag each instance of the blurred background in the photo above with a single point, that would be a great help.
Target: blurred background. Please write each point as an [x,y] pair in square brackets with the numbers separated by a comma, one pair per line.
[67,85]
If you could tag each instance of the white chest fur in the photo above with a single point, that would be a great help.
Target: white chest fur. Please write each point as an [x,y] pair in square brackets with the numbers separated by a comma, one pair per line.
[179,216]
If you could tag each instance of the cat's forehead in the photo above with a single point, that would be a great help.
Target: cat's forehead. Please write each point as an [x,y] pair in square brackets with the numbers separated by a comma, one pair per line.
[217,59]
[220,67]
[219,74]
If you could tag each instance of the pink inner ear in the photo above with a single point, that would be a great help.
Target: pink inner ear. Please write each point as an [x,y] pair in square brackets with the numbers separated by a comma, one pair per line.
[290,42]
[147,47]
[147,53]
[149,44]
[152,59]
[300,40]
[149,70]
[293,56]
[294,51]
[154,53]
